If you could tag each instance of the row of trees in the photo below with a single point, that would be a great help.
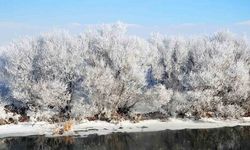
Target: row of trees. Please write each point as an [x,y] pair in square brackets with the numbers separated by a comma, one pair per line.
[105,72]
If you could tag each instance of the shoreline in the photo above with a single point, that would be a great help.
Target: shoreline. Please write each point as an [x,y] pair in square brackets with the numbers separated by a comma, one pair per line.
[85,128]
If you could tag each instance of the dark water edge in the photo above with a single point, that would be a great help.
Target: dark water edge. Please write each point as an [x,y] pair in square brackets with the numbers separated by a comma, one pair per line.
[219,138]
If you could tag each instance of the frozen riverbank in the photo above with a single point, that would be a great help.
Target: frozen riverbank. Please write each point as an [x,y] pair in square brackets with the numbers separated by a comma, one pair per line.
[86,128]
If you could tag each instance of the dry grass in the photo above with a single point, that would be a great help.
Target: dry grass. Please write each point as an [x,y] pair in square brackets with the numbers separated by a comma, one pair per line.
[68,125]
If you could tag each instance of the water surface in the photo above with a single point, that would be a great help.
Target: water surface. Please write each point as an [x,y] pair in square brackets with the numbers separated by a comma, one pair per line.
[220,138]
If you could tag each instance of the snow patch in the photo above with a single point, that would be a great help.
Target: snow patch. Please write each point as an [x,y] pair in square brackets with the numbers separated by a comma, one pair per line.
[86,128]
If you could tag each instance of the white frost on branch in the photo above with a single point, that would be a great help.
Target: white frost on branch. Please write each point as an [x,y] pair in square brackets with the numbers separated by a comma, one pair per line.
[105,71]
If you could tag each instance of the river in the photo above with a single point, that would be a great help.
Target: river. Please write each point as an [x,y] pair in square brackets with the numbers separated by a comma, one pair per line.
[219,138]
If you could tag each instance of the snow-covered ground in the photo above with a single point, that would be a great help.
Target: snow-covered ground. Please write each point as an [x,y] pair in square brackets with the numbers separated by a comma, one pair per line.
[86,128]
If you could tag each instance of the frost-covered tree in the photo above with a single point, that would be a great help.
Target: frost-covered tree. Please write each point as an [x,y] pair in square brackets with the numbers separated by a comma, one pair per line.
[115,71]
[204,73]
[105,72]
[44,70]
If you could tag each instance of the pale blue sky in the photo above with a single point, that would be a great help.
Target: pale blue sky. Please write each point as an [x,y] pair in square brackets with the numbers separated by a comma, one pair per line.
[24,17]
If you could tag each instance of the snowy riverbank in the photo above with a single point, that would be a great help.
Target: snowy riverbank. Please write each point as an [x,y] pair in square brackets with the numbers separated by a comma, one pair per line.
[86,128]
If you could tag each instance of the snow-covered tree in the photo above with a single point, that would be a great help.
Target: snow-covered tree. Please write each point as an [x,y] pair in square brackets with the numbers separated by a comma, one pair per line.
[44,70]
[106,72]
[115,76]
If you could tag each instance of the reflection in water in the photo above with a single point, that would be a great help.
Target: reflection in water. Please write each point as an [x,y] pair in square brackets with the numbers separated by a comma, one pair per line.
[221,138]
